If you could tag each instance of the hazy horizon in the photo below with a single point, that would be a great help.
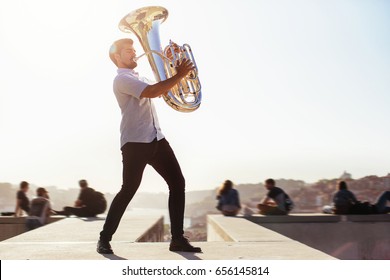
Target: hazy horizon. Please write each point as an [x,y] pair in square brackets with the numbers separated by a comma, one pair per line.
[165,191]
[291,89]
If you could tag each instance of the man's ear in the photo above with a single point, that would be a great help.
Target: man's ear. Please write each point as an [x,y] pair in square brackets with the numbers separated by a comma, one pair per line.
[117,56]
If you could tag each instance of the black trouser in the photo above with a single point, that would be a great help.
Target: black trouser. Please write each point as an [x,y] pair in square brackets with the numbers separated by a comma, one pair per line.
[161,157]
[84,212]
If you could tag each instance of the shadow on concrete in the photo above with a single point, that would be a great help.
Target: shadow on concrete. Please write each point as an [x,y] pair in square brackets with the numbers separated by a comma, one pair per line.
[92,219]
[188,255]
[113,257]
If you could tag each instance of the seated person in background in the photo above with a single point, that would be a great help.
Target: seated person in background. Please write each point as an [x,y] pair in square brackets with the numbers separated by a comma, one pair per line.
[22,202]
[382,202]
[39,211]
[277,202]
[228,199]
[343,200]
[89,203]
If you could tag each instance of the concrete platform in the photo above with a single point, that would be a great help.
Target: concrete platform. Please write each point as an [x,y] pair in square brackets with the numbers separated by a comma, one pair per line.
[297,218]
[12,226]
[318,218]
[75,238]
[258,239]
[75,229]
[238,229]
[159,251]
[348,237]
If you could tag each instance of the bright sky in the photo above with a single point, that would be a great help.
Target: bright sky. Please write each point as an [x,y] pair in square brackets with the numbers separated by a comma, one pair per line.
[291,89]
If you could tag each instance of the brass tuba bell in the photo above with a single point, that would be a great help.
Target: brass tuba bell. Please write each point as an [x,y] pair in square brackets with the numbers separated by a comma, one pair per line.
[144,23]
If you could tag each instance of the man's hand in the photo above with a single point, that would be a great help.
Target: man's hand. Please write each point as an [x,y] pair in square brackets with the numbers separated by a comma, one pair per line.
[185,67]
[182,69]
[176,49]
[271,203]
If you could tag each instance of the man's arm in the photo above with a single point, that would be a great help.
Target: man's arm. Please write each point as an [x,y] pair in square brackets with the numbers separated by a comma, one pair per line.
[237,199]
[78,203]
[354,200]
[266,200]
[163,87]
[48,210]
[17,208]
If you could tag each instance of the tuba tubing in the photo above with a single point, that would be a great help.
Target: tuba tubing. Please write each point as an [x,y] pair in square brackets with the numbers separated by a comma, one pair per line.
[144,23]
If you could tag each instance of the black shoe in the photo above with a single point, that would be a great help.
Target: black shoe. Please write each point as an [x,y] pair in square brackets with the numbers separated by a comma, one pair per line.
[104,247]
[183,245]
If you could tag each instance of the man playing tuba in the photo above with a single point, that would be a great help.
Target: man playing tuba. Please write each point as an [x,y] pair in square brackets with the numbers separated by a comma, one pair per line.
[142,143]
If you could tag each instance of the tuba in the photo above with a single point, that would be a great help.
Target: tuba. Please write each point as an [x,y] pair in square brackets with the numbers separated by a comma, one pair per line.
[144,23]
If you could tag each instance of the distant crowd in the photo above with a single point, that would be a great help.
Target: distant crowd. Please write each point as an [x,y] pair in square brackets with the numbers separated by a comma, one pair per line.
[278,202]
[88,204]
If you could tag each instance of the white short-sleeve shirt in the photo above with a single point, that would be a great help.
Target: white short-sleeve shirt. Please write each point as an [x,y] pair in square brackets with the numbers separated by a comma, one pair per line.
[139,118]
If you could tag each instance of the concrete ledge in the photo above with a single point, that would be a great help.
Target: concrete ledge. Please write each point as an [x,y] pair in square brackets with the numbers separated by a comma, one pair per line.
[238,229]
[353,237]
[13,226]
[22,220]
[264,241]
[155,233]
[159,251]
[76,238]
[318,218]
[369,218]
[296,218]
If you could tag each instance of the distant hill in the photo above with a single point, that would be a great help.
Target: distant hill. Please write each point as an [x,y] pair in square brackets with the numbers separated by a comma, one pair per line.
[196,196]
[7,197]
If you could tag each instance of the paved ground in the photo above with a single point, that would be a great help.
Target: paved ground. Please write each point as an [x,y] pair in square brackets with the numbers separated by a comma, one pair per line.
[84,250]
[75,239]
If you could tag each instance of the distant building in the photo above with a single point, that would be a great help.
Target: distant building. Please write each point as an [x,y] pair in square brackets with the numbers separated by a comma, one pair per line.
[346,176]
[319,200]
[386,181]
